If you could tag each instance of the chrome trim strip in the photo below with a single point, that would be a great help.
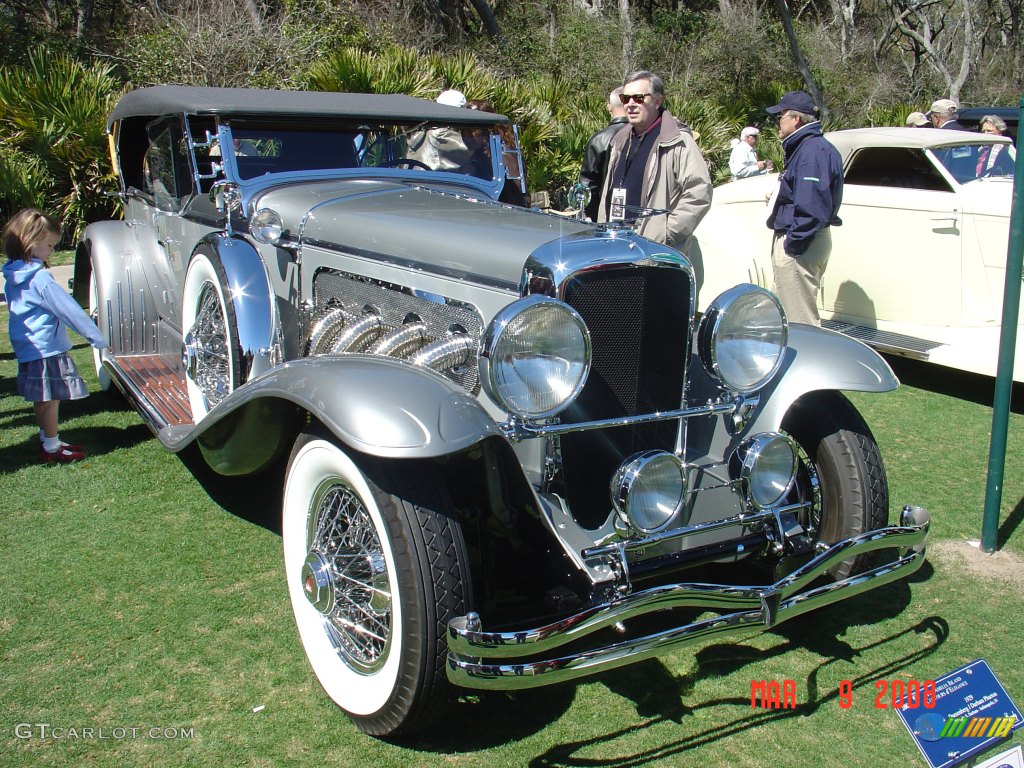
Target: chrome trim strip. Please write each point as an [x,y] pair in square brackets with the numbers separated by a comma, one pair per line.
[691,530]
[414,264]
[518,430]
[492,660]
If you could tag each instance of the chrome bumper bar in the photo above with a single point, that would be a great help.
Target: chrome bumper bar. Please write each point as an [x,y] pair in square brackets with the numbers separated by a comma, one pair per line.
[524,659]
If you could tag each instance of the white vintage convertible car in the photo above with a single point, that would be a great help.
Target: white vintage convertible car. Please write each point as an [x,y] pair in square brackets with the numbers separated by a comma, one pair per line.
[918,266]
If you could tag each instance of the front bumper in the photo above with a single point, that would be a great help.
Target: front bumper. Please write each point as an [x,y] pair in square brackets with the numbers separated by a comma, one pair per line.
[525,659]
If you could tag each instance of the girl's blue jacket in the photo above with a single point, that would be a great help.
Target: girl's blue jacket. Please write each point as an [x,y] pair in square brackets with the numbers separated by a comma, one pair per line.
[40,313]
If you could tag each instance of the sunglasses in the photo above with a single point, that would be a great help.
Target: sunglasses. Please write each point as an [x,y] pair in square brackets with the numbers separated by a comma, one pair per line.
[636,98]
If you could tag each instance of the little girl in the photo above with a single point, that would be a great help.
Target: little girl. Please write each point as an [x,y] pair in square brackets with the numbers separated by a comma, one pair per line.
[40,311]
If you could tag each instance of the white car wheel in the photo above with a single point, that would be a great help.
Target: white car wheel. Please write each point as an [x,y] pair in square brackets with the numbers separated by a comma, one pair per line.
[371,594]
[211,349]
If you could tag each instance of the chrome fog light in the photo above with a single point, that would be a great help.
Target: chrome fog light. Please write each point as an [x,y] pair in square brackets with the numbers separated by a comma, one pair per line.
[767,467]
[266,226]
[649,489]
[742,338]
[535,357]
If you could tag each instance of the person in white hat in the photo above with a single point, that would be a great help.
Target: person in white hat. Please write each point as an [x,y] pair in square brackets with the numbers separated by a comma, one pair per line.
[943,115]
[743,160]
[918,120]
[452,98]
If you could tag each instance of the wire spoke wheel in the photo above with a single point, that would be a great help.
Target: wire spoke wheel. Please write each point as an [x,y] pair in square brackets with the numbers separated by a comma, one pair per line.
[373,577]
[210,345]
[342,534]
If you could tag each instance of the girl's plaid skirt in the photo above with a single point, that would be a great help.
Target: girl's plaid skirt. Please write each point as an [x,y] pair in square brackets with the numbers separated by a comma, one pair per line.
[52,378]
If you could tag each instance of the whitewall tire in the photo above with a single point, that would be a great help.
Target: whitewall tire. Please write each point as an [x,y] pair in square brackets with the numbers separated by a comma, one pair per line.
[373,580]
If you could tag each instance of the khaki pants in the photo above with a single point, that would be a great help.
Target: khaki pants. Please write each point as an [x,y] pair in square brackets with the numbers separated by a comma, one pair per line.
[797,278]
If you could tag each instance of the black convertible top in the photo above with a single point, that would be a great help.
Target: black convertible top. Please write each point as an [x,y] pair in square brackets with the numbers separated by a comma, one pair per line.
[390,107]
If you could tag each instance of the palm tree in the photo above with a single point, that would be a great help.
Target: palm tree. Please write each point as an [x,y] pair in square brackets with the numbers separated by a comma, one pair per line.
[54,147]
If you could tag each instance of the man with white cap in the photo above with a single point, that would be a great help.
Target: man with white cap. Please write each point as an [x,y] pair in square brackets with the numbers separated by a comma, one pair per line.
[805,208]
[943,115]
[743,160]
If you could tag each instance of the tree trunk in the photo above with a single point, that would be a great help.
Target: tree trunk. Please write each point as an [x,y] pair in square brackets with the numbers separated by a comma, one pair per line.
[84,13]
[627,37]
[486,14]
[798,57]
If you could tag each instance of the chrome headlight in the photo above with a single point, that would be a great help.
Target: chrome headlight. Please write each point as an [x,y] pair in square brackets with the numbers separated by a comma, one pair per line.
[536,356]
[266,226]
[766,465]
[649,489]
[742,337]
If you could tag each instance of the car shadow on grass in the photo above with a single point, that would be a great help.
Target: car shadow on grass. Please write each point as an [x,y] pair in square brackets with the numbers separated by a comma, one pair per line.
[649,681]
[253,498]
[486,719]
[951,382]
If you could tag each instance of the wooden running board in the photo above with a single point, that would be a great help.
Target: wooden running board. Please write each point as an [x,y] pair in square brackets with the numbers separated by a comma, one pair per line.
[156,384]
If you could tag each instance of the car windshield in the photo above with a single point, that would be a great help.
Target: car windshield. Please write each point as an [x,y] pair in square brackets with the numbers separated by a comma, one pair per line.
[262,149]
[968,162]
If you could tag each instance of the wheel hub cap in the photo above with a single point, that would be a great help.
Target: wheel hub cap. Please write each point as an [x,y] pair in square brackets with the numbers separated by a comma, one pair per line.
[317,583]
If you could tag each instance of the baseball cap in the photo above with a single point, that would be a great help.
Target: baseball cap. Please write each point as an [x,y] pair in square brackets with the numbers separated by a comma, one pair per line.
[749,131]
[917,119]
[798,101]
[943,107]
[452,98]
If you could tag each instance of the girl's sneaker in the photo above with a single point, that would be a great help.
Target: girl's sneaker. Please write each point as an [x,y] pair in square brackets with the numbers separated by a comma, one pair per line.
[63,455]
[69,446]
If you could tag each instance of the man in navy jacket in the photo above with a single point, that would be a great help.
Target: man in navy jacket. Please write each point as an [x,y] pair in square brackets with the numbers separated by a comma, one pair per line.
[805,207]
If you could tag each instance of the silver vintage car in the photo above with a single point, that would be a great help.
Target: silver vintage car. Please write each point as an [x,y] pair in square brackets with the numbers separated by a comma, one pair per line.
[514,450]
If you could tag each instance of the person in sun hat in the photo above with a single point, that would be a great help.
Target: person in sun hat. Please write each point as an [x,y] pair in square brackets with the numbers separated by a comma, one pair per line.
[918,120]
[804,208]
[943,115]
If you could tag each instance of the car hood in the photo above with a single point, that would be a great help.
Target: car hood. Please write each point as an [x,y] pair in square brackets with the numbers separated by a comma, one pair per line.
[414,224]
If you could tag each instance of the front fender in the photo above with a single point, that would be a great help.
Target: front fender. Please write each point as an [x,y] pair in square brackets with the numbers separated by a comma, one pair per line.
[375,405]
[820,359]
[249,291]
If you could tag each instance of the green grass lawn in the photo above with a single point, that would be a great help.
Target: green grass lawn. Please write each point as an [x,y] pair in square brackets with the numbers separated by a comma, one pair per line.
[135,595]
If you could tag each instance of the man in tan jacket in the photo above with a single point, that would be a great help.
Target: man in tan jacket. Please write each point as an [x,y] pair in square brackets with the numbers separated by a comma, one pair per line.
[657,178]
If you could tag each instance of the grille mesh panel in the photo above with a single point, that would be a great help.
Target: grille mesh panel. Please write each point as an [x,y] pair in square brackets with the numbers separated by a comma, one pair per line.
[639,325]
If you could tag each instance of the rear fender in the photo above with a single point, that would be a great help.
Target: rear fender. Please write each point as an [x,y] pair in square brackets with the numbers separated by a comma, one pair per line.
[126,309]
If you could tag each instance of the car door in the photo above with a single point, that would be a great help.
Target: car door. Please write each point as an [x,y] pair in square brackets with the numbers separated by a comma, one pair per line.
[168,184]
[897,256]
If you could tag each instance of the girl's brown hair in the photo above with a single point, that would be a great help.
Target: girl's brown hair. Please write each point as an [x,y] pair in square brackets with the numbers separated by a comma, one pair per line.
[26,228]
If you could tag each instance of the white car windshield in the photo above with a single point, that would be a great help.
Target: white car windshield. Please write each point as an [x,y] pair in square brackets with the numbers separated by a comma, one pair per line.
[968,162]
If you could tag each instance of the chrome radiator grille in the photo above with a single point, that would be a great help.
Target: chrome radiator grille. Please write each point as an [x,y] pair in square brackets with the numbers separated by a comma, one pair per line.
[639,321]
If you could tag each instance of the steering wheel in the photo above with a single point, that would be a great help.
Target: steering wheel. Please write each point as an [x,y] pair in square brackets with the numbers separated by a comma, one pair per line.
[408,161]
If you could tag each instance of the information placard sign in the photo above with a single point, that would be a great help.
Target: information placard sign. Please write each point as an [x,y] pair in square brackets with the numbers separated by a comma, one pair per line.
[972,711]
